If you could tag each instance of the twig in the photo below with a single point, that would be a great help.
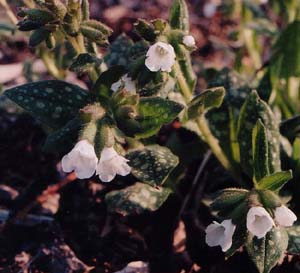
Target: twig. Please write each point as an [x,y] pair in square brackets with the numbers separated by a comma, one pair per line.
[194,183]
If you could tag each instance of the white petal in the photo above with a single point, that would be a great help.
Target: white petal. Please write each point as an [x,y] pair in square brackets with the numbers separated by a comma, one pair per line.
[115,86]
[226,243]
[108,153]
[214,234]
[66,164]
[284,216]
[220,234]
[82,160]
[160,56]
[259,221]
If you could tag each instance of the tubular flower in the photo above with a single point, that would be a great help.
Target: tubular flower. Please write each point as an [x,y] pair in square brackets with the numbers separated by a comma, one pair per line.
[82,160]
[284,216]
[220,234]
[160,56]
[259,222]
[111,164]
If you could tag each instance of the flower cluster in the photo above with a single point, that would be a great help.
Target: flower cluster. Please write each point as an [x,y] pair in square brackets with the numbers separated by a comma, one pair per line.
[259,222]
[84,162]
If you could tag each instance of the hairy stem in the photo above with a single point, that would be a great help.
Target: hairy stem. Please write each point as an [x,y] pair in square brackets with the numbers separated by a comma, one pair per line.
[201,122]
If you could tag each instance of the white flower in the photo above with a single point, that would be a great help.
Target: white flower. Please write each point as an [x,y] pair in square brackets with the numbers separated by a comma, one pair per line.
[220,234]
[284,216]
[128,83]
[160,56]
[111,164]
[259,221]
[82,160]
[189,40]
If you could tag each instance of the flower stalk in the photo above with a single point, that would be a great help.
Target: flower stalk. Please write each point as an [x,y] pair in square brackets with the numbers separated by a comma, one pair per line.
[201,122]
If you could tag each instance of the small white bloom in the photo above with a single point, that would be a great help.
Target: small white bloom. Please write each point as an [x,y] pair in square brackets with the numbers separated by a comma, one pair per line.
[189,40]
[160,56]
[259,221]
[82,160]
[128,83]
[111,164]
[284,216]
[220,234]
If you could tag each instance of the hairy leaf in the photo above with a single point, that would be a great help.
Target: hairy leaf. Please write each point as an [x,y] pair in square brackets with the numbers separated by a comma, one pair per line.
[206,100]
[275,181]
[136,199]
[52,102]
[179,15]
[260,151]
[83,62]
[266,252]
[155,112]
[152,164]
[252,110]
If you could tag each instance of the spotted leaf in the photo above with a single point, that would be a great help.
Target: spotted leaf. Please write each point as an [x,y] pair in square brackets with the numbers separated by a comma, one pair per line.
[52,102]
[253,109]
[208,99]
[152,164]
[136,199]
[155,112]
[294,240]
[85,61]
[266,252]
[65,138]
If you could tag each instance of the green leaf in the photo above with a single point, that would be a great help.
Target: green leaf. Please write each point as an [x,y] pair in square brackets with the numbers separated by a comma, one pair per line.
[266,252]
[275,181]
[7,27]
[252,110]
[83,62]
[65,138]
[260,151]
[286,53]
[106,79]
[136,199]
[294,240]
[205,101]
[52,102]
[152,164]
[155,112]
[228,198]
[179,15]
[38,36]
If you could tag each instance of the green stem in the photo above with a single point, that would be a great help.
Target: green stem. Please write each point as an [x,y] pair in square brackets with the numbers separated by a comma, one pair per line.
[201,122]
[51,67]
